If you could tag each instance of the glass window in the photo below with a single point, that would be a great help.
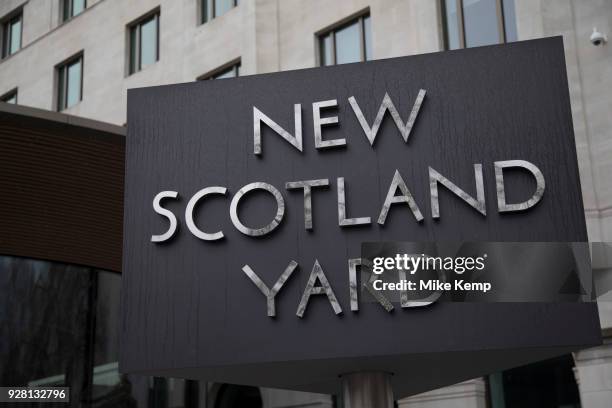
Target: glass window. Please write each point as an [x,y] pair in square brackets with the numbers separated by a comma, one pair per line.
[510,20]
[144,43]
[348,44]
[232,71]
[10,97]
[59,326]
[481,22]
[210,9]
[549,383]
[452,25]
[473,23]
[367,37]
[11,35]
[148,42]
[70,83]
[327,50]
[351,42]
[72,8]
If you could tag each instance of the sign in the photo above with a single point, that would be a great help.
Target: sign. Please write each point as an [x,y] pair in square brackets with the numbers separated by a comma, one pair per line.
[247,201]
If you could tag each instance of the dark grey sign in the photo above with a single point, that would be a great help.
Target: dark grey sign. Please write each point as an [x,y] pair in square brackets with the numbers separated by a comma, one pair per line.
[247,201]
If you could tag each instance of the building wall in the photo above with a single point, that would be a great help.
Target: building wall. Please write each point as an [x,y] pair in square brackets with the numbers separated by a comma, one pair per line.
[267,35]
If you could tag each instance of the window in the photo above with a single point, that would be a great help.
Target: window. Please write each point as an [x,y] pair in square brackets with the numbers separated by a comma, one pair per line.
[71,8]
[70,83]
[11,34]
[351,42]
[10,97]
[210,9]
[144,42]
[472,23]
[231,70]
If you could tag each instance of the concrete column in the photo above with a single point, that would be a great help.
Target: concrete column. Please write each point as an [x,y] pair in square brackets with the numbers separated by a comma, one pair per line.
[275,398]
[367,390]
[594,375]
[467,394]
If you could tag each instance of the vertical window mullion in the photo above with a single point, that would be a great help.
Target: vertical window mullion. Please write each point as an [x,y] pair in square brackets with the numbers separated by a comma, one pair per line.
[361,39]
[157,35]
[461,23]
[7,40]
[333,44]
[82,76]
[500,21]
[139,47]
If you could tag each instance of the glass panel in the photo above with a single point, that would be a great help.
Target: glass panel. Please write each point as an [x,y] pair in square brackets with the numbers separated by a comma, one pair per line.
[348,44]
[73,91]
[66,10]
[44,310]
[452,26]
[223,6]
[510,20]
[549,383]
[77,7]
[59,323]
[327,57]
[481,23]
[367,33]
[15,36]
[204,9]
[229,73]
[148,42]
[12,98]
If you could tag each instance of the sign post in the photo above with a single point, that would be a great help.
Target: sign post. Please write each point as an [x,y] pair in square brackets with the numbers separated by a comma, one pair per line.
[247,202]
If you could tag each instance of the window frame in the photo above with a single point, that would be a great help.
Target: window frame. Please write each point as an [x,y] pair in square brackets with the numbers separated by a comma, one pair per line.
[61,70]
[501,23]
[208,12]
[234,65]
[67,10]
[13,93]
[358,18]
[134,57]
[6,23]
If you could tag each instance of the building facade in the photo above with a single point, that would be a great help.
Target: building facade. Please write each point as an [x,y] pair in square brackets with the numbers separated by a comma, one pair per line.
[79,57]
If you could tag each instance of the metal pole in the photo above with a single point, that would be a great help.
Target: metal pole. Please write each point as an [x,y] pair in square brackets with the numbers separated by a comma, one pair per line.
[367,390]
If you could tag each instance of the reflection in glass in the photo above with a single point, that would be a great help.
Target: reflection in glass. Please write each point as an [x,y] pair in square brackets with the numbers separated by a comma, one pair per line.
[510,20]
[15,36]
[77,7]
[144,43]
[10,97]
[327,50]
[148,42]
[367,33]
[351,42]
[73,90]
[481,22]
[348,44]
[452,25]
[43,322]
[59,326]
[223,6]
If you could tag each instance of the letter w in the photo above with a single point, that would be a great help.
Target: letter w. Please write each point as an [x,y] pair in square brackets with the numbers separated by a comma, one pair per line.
[387,104]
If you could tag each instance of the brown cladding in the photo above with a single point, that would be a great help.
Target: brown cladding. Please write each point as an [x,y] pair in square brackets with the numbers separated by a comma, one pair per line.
[61,183]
